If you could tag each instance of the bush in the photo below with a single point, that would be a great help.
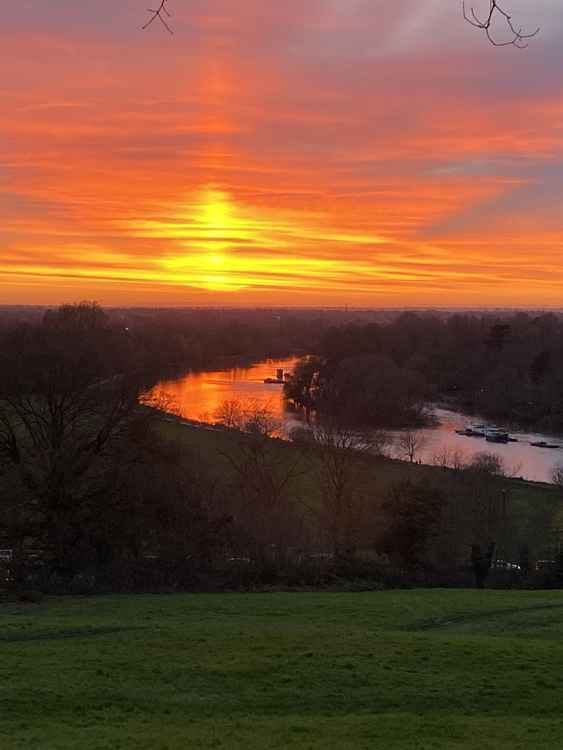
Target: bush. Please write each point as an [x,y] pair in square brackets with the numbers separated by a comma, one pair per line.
[30,596]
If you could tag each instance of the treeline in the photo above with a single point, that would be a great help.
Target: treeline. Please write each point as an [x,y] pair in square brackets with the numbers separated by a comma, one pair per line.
[508,369]
[98,493]
[180,338]
[207,338]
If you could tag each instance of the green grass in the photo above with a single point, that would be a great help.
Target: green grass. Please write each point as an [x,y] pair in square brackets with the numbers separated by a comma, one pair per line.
[397,670]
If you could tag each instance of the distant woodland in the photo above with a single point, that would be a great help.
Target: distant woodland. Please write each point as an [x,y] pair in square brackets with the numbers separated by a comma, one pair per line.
[507,368]
[378,366]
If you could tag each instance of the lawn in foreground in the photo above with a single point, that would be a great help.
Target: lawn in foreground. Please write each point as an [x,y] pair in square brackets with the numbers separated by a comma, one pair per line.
[396,670]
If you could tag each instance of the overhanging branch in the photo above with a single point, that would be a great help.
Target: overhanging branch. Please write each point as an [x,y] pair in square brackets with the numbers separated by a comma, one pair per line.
[162,14]
[517,36]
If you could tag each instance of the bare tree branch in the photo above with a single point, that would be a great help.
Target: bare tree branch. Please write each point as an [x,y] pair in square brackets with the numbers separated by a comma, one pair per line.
[517,36]
[161,13]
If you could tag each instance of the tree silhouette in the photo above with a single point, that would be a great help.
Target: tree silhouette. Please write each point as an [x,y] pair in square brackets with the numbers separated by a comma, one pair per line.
[517,36]
[161,14]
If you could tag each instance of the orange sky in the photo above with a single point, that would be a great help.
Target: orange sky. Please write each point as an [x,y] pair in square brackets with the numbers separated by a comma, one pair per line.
[330,152]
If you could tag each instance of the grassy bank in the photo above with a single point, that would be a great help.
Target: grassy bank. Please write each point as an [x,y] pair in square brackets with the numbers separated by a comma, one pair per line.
[533,507]
[397,670]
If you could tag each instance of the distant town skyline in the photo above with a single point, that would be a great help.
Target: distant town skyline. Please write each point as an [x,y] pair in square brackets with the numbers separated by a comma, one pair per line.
[333,153]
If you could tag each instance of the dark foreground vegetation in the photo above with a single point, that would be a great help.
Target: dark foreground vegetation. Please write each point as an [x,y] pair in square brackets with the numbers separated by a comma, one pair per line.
[400,670]
[508,368]
[98,493]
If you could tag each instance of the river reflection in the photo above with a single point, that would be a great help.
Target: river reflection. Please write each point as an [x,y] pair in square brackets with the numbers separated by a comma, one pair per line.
[198,395]
[519,459]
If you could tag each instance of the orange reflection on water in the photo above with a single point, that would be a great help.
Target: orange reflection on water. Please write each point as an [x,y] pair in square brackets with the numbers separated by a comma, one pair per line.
[198,395]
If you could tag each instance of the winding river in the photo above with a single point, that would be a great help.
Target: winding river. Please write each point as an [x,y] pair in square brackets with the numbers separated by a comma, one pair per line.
[198,395]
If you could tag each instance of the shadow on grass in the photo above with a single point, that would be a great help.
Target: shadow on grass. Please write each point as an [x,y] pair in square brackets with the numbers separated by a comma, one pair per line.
[60,635]
[438,623]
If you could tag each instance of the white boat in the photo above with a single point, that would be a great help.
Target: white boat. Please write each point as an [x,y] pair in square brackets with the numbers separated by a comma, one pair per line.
[496,435]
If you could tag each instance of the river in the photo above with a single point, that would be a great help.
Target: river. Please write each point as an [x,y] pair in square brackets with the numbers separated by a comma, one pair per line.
[198,395]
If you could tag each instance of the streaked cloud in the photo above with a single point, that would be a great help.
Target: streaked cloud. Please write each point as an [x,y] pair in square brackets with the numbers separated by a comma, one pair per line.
[333,152]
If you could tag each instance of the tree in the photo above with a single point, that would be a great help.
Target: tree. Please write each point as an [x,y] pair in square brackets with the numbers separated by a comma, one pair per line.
[302,387]
[66,400]
[487,22]
[557,476]
[230,413]
[265,508]
[485,516]
[447,458]
[338,453]
[414,515]
[481,561]
[361,388]
[162,506]
[247,415]
[160,13]
[517,37]
[410,445]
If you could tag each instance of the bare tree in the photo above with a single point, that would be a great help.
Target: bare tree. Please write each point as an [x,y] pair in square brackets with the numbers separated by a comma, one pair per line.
[247,415]
[161,14]
[487,22]
[65,405]
[486,508]
[343,508]
[379,442]
[161,402]
[230,413]
[410,444]
[264,470]
[557,476]
[447,458]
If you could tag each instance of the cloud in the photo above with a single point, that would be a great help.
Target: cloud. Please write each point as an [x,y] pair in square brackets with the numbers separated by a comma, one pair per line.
[358,151]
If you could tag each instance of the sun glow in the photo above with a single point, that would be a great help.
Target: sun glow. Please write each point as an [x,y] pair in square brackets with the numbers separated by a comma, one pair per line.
[218,244]
[216,211]
[253,167]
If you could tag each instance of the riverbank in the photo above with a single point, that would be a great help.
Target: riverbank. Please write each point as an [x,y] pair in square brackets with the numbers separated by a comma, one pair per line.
[510,424]
[533,507]
[199,395]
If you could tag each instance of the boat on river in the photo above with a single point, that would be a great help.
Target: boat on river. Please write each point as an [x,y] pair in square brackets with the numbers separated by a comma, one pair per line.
[495,435]
[491,434]
[544,444]
[474,430]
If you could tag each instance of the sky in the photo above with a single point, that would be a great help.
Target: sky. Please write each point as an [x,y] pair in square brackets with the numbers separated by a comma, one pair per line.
[327,152]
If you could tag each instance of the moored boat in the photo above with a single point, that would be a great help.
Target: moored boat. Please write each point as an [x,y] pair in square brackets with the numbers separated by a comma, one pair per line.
[476,430]
[470,432]
[495,435]
[280,378]
[490,433]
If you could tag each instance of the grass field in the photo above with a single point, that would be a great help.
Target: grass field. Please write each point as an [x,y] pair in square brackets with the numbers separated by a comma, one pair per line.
[397,670]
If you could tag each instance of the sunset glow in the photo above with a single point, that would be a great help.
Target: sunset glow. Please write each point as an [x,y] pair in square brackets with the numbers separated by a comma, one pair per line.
[333,152]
